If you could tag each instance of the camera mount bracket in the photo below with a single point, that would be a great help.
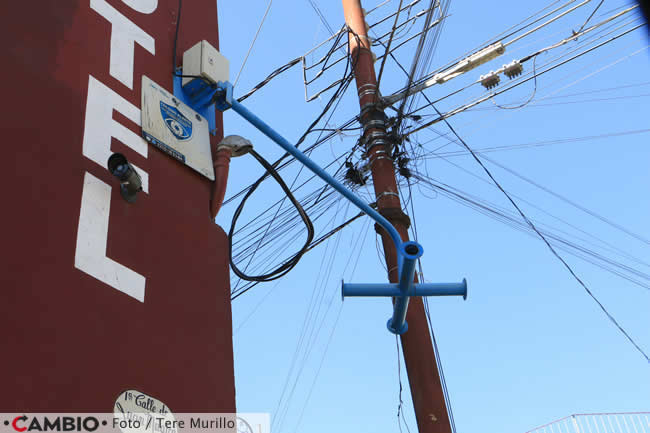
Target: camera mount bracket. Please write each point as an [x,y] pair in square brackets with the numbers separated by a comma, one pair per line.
[407,252]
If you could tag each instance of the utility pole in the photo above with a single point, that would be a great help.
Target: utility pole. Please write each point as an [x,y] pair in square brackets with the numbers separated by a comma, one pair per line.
[419,356]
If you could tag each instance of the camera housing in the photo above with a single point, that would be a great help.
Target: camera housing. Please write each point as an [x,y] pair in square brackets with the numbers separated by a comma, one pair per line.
[130,182]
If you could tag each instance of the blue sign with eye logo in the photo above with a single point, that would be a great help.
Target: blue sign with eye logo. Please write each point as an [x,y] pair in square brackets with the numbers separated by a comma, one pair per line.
[178,124]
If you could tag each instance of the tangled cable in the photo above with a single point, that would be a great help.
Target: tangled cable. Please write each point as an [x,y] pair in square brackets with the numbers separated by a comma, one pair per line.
[287,266]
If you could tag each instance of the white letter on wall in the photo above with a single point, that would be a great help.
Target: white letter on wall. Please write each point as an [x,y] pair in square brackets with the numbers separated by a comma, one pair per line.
[92,234]
[100,127]
[142,6]
[123,35]
[92,237]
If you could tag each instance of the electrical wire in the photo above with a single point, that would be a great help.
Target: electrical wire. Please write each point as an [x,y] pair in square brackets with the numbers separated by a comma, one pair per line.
[174,71]
[430,48]
[550,84]
[513,30]
[513,220]
[390,40]
[517,81]
[279,247]
[400,404]
[289,265]
[286,267]
[354,249]
[285,229]
[422,83]
[581,101]
[311,329]
[571,202]
[275,241]
[415,61]
[601,243]
[318,143]
[285,225]
[483,150]
[313,245]
[253,43]
[436,351]
[326,138]
[530,98]
[591,16]
[271,76]
[482,99]
[543,238]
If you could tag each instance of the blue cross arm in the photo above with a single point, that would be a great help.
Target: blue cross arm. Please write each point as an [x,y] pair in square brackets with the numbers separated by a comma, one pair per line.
[397,323]
[393,290]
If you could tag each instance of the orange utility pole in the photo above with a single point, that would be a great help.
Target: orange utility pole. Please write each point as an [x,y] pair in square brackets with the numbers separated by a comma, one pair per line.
[426,388]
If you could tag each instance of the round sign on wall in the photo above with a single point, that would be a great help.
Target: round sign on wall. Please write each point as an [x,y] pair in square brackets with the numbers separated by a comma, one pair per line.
[137,412]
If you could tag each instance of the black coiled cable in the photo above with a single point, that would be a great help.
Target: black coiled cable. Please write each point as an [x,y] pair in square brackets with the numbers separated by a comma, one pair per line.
[287,266]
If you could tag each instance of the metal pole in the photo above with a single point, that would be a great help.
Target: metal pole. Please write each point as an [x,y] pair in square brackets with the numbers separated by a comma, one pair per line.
[426,389]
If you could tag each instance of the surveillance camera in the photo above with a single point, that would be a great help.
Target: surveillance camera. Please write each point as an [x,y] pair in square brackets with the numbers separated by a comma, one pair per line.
[130,180]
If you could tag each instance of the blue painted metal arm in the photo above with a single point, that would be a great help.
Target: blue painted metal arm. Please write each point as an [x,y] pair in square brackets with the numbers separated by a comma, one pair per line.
[407,252]
[315,168]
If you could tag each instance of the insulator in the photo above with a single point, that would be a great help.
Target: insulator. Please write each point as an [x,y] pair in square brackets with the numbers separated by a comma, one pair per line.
[513,69]
[490,80]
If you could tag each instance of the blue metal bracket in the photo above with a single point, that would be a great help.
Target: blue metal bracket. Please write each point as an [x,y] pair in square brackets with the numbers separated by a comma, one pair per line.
[407,252]
[198,95]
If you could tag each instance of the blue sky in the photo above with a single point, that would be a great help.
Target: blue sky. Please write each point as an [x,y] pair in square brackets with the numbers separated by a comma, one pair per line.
[529,345]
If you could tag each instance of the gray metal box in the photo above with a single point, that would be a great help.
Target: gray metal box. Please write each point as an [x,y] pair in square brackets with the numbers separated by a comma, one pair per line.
[205,61]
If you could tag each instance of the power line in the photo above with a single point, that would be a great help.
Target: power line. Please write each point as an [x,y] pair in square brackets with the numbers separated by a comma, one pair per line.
[442,117]
[543,238]
[390,40]
[570,202]
[436,351]
[542,143]
[512,220]
[286,267]
[549,96]
[422,85]
[591,16]
[400,404]
[607,246]
[268,8]
[271,170]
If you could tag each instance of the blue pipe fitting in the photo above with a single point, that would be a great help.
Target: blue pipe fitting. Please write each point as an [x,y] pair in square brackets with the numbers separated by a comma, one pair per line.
[410,252]
[224,102]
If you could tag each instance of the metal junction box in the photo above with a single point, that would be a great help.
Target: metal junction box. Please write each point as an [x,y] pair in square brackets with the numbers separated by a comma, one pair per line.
[205,61]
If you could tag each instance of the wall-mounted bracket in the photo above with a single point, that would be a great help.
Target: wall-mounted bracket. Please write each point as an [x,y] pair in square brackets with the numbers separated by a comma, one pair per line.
[224,97]
[198,94]
[407,252]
